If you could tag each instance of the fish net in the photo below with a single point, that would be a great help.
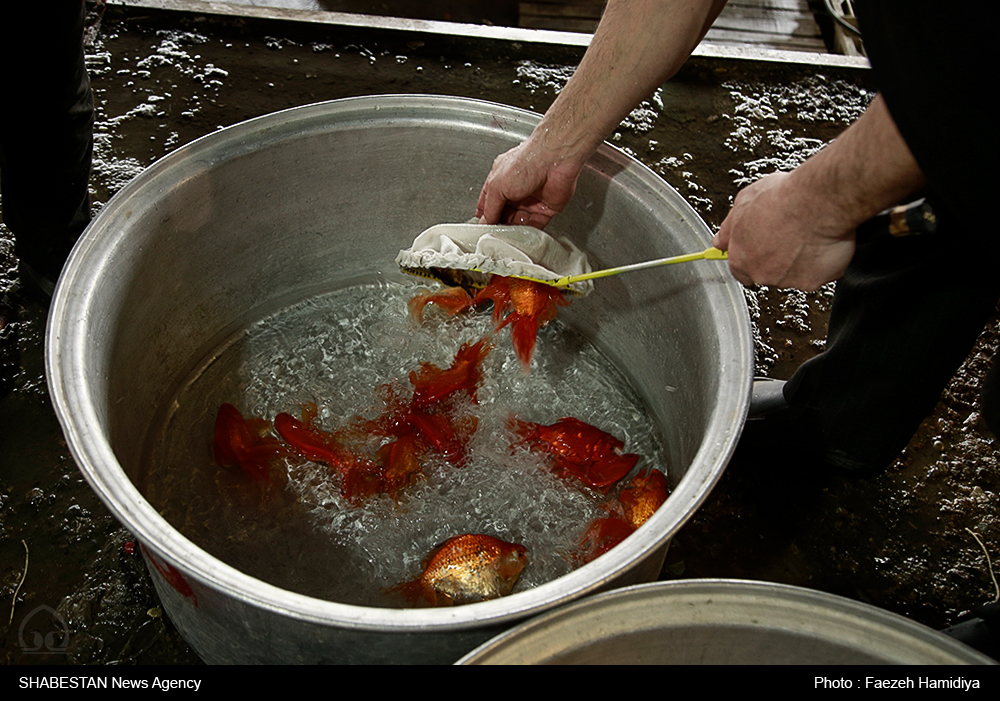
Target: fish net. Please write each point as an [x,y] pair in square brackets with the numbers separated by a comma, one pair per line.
[468,254]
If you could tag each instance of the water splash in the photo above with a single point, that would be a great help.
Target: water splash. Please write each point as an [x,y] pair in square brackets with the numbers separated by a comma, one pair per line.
[335,350]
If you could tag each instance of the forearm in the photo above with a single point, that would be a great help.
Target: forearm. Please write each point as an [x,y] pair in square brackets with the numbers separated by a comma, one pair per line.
[638,45]
[797,229]
[865,170]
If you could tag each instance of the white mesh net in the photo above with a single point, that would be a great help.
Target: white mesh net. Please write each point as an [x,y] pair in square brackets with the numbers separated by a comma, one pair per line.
[496,250]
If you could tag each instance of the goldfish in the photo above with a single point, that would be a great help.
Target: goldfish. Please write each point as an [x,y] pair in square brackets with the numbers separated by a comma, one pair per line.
[638,500]
[442,434]
[428,421]
[578,449]
[361,477]
[465,569]
[643,495]
[432,385]
[524,304]
[401,462]
[415,436]
[601,535]
[452,300]
[425,423]
[245,444]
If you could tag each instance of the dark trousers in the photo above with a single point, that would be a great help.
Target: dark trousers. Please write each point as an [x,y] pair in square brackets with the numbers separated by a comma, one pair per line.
[904,318]
[46,131]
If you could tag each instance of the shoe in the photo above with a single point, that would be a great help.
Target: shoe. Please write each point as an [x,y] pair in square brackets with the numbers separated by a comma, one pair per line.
[768,398]
[980,630]
[777,436]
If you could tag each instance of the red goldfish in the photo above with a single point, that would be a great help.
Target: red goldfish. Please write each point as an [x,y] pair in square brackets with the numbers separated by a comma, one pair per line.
[428,422]
[603,534]
[442,434]
[431,384]
[466,569]
[401,462]
[579,449]
[245,443]
[452,300]
[643,495]
[523,304]
[416,435]
[528,306]
[425,423]
[361,476]
[638,500]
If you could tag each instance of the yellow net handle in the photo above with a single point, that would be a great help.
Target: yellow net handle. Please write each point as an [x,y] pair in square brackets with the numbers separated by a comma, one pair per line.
[708,254]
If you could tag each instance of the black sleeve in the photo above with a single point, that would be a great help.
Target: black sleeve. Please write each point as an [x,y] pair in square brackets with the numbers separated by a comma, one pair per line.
[938,75]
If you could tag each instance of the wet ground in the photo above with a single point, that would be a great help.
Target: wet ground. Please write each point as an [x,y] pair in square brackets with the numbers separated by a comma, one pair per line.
[913,541]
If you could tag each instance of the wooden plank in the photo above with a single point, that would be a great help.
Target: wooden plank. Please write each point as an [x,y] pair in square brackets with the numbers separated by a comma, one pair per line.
[592,9]
[783,24]
[588,8]
[563,24]
[790,5]
[758,19]
[562,9]
[776,41]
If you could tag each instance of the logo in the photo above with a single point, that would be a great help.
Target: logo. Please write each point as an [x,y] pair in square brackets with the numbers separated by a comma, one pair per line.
[43,632]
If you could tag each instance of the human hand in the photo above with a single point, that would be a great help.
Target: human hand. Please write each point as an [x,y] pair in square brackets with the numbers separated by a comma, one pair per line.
[783,234]
[526,185]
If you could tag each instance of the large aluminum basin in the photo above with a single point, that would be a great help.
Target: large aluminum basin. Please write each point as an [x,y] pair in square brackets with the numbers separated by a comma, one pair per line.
[281,207]
[722,621]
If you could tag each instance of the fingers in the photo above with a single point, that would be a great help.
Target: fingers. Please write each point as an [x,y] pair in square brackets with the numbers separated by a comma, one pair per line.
[526,217]
[780,236]
[496,205]
[536,215]
[494,208]
[489,207]
[526,186]
[737,270]
[721,238]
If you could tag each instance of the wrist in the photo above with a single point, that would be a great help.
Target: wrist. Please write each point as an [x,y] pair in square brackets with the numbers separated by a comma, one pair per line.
[810,190]
[864,171]
[567,139]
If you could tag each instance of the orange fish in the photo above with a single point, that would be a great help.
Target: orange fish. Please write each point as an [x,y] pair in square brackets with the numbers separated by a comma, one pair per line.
[452,300]
[523,304]
[466,569]
[401,462]
[639,499]
[245,444]
[361,477]
[579,449]
[528,306]
[601,535]
[535,305]
[431,384]
[643,495]
[428,421]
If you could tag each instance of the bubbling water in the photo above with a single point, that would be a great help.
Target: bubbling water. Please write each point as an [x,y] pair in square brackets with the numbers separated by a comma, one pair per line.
[335,350]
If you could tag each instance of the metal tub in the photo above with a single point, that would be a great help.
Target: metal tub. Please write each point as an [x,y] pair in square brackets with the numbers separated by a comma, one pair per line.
[278,208]
[713,621]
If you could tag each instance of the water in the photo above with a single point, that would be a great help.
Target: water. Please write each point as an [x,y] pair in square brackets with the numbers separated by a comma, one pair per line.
[335,350]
